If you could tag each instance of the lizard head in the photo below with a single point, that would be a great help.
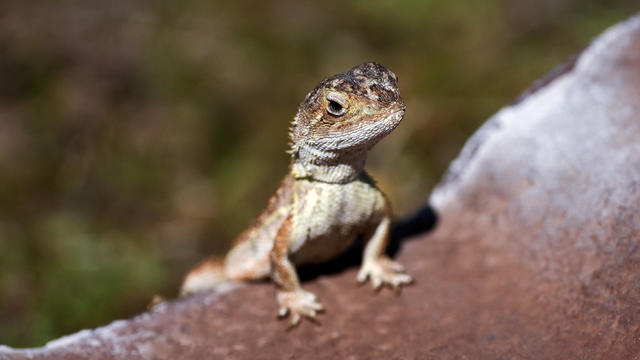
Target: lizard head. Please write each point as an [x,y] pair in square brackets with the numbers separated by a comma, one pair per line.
[348,112]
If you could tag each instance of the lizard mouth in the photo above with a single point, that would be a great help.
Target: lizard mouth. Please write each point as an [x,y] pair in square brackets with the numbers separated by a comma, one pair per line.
[364,135]
[390,121]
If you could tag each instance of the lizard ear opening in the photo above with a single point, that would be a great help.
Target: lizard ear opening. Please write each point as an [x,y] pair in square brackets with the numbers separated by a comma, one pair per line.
[336,104]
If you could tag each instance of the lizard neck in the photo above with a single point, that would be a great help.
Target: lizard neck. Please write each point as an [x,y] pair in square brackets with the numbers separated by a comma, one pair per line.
[336,167]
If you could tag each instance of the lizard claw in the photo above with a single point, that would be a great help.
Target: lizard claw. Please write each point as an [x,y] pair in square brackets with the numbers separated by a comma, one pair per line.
[298,303]
[383,271]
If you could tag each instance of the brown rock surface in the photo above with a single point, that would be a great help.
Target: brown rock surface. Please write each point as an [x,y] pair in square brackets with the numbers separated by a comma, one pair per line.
[535,256]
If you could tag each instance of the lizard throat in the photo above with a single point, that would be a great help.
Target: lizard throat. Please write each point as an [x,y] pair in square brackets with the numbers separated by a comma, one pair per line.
[325,166]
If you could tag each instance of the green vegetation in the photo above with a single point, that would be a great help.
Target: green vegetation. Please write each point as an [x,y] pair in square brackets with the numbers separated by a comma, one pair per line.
[137,137]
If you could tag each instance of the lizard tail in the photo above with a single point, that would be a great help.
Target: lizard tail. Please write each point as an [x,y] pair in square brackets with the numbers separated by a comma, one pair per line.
[205,276]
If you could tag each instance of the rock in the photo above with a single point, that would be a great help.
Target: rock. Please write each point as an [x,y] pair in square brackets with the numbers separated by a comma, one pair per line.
[535,254]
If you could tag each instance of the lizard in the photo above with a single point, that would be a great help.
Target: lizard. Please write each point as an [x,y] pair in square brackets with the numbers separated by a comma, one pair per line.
[326,199]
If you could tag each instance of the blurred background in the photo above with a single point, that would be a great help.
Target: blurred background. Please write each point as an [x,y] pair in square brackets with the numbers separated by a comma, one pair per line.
[136,137]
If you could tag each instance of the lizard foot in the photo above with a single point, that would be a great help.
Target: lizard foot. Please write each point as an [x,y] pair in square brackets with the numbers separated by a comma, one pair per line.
[383,271]
[298,303]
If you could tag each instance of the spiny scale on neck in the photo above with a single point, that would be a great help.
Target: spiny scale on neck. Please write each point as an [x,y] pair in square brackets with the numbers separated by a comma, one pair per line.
[341,119]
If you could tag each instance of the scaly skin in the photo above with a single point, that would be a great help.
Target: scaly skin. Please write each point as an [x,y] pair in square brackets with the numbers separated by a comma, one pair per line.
[326,199]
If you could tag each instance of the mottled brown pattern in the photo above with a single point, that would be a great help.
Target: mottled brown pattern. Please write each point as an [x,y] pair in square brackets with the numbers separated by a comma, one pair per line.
[368,85]
[326,200]
[283,197]
[283,276]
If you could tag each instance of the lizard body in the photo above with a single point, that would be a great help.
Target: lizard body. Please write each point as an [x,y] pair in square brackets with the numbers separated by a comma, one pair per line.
[326,200]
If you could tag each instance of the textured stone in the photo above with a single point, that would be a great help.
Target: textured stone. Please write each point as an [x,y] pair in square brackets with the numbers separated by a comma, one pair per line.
[535,255]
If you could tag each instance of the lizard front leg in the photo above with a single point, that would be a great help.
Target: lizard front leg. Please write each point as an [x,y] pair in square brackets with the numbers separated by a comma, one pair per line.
[292,299]
[376,265]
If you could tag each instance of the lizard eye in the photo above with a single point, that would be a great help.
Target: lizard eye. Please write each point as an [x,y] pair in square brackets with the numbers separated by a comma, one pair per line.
[334,108]
[336,104]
